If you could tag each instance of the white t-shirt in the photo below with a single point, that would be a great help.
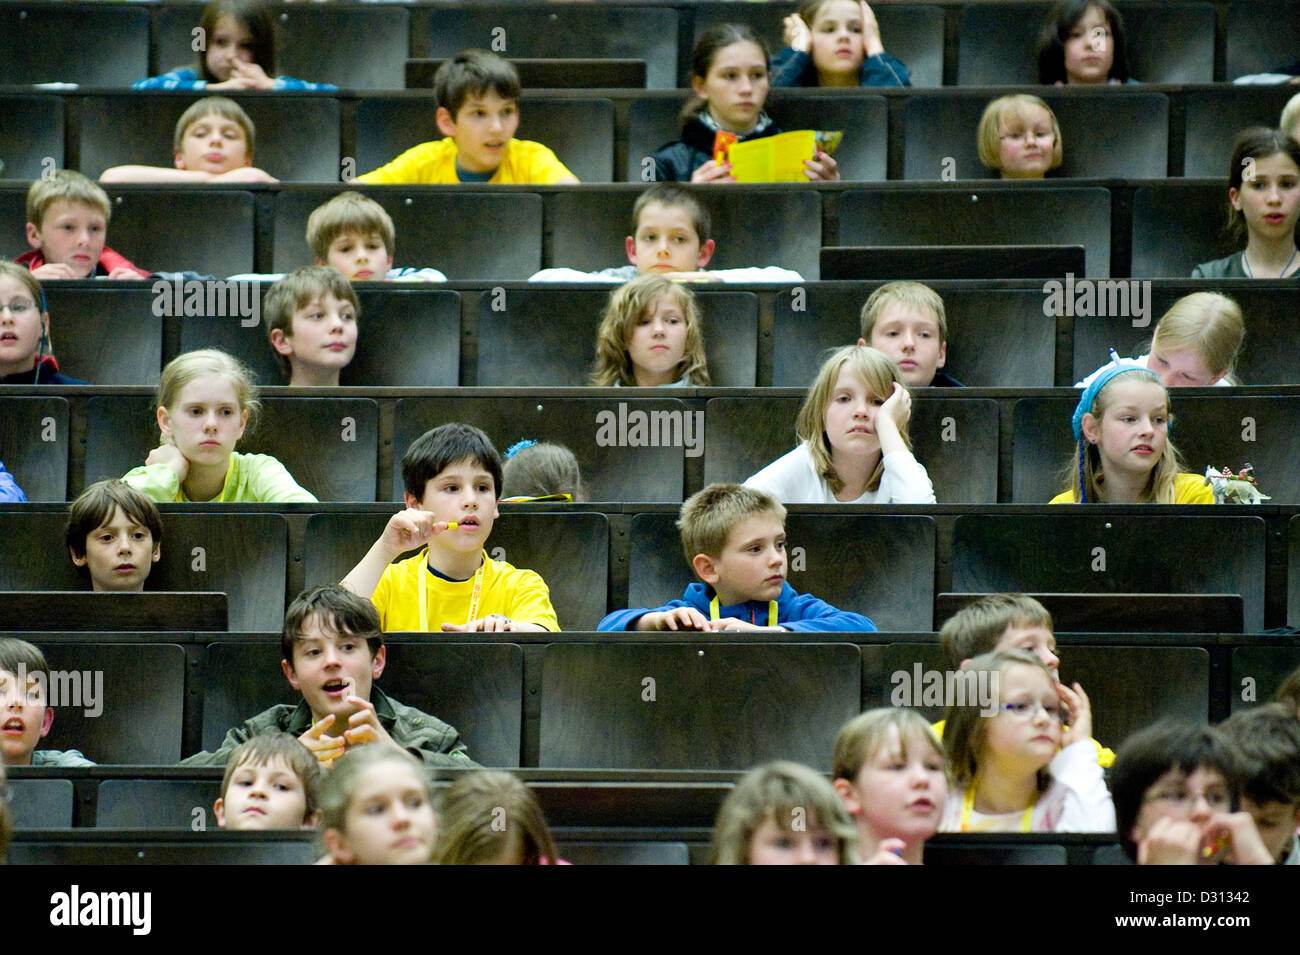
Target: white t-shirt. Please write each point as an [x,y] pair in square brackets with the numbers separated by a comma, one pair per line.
[625,273]
[792,479]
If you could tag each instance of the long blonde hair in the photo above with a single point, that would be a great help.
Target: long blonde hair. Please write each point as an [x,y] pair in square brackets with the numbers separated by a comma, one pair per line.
[878,372]
[1085,470]
[627,306]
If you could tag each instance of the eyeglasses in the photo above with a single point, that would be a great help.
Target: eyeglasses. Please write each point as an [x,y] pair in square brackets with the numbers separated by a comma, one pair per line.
[18,307]
[1026,136]
[1028,709]
[1183,800]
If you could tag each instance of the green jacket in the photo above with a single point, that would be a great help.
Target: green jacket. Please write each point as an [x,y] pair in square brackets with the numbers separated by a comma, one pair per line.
[251,478]
[1228,267]
[425,737]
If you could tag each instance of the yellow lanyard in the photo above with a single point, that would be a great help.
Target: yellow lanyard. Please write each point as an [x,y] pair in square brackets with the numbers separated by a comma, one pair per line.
[968,806]
[771,611]
[474,596]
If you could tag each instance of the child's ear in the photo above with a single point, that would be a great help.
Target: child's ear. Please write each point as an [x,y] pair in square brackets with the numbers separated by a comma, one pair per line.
[33,235]
[280,341]
[219,812]
[248,159]
[80,561]
[862,342]
[446,122]
[157,552]
[943,355]
[289,675]
[337,846]
[47,721]
[411,500]
[706,253]
[705,569]
[179,160]
[317,261]
[1089,427]
[378,663]
[1234,197]
[164,422]
[697,86]
[630,244]
[848,795]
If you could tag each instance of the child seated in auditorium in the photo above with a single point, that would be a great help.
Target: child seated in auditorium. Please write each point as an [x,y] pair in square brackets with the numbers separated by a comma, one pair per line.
[1176,787]
[650,336]
[1124,455]
[734,539]
[331,651]
[541,471]
[730,76]
[311,318]
[25,711]
[271,782]
[115,532]
[783,814]
[1267,744]
[452,475]
[205,399]
[835,43]
[670,235]
[237,52]
[906,321]
[1030,766]
[491,818]
[1083,42]
[67,226]
[213,143]
[999,622]
[478,113]
[1019,138]
[377,809]
[355,235]
[25,332]
[854,447]
[1195,343]
[1264,195]
[890,772]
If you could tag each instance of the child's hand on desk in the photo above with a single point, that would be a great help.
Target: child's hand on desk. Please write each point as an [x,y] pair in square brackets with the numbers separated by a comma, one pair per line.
[735,623]
[244,174]
[245,76]
[123,272]
[492,623]
[54,270]
[679,618]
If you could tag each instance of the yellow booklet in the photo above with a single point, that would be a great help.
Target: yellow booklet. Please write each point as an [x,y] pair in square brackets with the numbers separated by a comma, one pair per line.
[779,158]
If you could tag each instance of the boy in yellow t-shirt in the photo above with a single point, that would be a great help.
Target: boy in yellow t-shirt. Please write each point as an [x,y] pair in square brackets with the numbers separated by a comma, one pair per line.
[478,112]
[453,480]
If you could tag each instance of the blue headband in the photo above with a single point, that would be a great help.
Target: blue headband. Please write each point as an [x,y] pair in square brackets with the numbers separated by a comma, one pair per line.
[1117,366]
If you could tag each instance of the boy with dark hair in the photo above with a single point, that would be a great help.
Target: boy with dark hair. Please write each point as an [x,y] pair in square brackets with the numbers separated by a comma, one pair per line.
[115,532]
[270,783]
[67,226]
[1175,786]
[734,539]
[478,112]
[1004,622]
[311,318]
[453,482]
[1267,742]
[331,651]
[670,235]
[25,711]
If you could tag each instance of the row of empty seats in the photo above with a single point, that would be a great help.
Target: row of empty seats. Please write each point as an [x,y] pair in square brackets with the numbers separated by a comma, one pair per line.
[543,336]
[979,447]
[886,563]
[1130,133]
[1145,228]
[685,702]
[942,43]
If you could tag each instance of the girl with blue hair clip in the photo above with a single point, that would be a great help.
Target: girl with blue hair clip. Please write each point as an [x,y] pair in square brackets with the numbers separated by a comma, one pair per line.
[1123,454]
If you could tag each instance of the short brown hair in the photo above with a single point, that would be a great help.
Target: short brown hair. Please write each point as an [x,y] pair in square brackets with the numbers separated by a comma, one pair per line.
[95,505]
[473,73]
[977,627]
[912,294]
[1267,741]
[215,106]
[487,813]
[680,196]
[266,747]
[708,517]
[66,185]
[335,608]
[296,290]
[348,212]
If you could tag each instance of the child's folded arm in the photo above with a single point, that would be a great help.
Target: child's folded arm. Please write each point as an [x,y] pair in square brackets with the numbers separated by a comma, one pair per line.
[809,613]
[158,482]
[270,480]
[1088,806]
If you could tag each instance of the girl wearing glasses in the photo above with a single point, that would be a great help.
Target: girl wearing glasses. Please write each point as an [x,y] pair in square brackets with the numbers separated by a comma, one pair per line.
[1019,137]
[25,353]
[1021,754]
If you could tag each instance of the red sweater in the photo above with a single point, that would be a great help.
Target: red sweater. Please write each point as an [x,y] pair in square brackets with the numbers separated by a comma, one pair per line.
[108,261]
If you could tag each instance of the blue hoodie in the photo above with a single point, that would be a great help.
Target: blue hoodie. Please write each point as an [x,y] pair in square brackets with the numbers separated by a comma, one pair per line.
[794,611]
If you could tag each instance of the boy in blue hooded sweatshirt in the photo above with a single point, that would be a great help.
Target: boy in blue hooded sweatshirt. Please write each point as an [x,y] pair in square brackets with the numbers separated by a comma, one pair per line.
[734,538]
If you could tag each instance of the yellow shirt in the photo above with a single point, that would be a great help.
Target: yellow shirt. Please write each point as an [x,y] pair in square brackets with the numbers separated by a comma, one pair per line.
[1188,489]
[434,163]
[1105,757]
[519,594]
